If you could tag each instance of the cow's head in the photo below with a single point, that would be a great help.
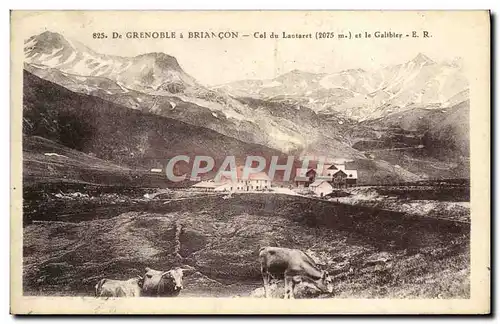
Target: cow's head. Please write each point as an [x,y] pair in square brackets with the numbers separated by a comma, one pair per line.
[98,287]
[325,283]
[162,283]
[139,280]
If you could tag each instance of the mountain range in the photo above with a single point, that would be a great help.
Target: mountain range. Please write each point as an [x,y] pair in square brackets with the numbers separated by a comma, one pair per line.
[340,115]
[360,94]
[160,86]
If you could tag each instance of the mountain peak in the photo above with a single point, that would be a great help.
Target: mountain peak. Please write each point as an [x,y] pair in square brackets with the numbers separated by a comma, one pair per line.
[49,36]
[46,42]
[422,59]
[162,60]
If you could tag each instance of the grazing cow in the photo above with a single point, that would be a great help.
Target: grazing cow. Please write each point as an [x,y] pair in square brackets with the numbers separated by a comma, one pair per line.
[119,288]
[295,266]
[162,283]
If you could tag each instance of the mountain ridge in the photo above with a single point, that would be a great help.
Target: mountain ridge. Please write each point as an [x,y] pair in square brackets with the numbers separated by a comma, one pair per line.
[360,94]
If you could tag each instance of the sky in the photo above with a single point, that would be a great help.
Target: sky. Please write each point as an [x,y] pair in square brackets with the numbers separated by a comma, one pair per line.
[216,61]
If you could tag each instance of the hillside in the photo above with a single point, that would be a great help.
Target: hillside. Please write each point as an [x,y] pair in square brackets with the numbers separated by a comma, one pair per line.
[45,161]
[369,252]
[433,143]
[115,133]
[444,132]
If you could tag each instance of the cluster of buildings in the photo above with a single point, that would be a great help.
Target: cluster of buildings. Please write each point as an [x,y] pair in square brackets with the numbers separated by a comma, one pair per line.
[320,182]
[324,181]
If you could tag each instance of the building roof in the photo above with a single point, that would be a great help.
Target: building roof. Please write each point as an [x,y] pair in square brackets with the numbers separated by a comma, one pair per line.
[223,186]
[339,171]
[317,183]
[321,183]
[328,171]
[352,174]
[251,176]
[206,184]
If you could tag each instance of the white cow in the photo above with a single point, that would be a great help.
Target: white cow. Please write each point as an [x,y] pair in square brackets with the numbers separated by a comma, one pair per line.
[119,288]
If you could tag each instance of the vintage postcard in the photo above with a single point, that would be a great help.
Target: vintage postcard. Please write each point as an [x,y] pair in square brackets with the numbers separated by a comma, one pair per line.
[250,162]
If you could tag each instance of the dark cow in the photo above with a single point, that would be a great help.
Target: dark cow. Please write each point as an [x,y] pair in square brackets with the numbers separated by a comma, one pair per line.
[295,266]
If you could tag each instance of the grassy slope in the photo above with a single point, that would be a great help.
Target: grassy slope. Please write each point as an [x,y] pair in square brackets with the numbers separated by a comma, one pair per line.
[445,132]
[426,258]
[67,166]
[431,143]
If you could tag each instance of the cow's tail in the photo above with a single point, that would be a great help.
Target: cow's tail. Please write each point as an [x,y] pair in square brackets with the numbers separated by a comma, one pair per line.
[98,287]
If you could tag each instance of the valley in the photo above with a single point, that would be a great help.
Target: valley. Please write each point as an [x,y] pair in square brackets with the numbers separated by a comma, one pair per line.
[98,131]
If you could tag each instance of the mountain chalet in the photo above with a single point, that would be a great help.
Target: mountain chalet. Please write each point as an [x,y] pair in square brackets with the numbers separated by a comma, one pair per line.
[322,182]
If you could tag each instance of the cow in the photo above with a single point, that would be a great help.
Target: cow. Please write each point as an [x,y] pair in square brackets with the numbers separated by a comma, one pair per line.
[163,283]
[295,266]
[119,288]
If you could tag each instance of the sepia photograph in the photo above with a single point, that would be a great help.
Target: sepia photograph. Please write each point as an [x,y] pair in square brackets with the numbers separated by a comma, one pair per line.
[294,158]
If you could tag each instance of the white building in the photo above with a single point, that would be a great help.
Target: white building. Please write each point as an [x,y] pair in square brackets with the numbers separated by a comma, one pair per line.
[321,188]
[253,182]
